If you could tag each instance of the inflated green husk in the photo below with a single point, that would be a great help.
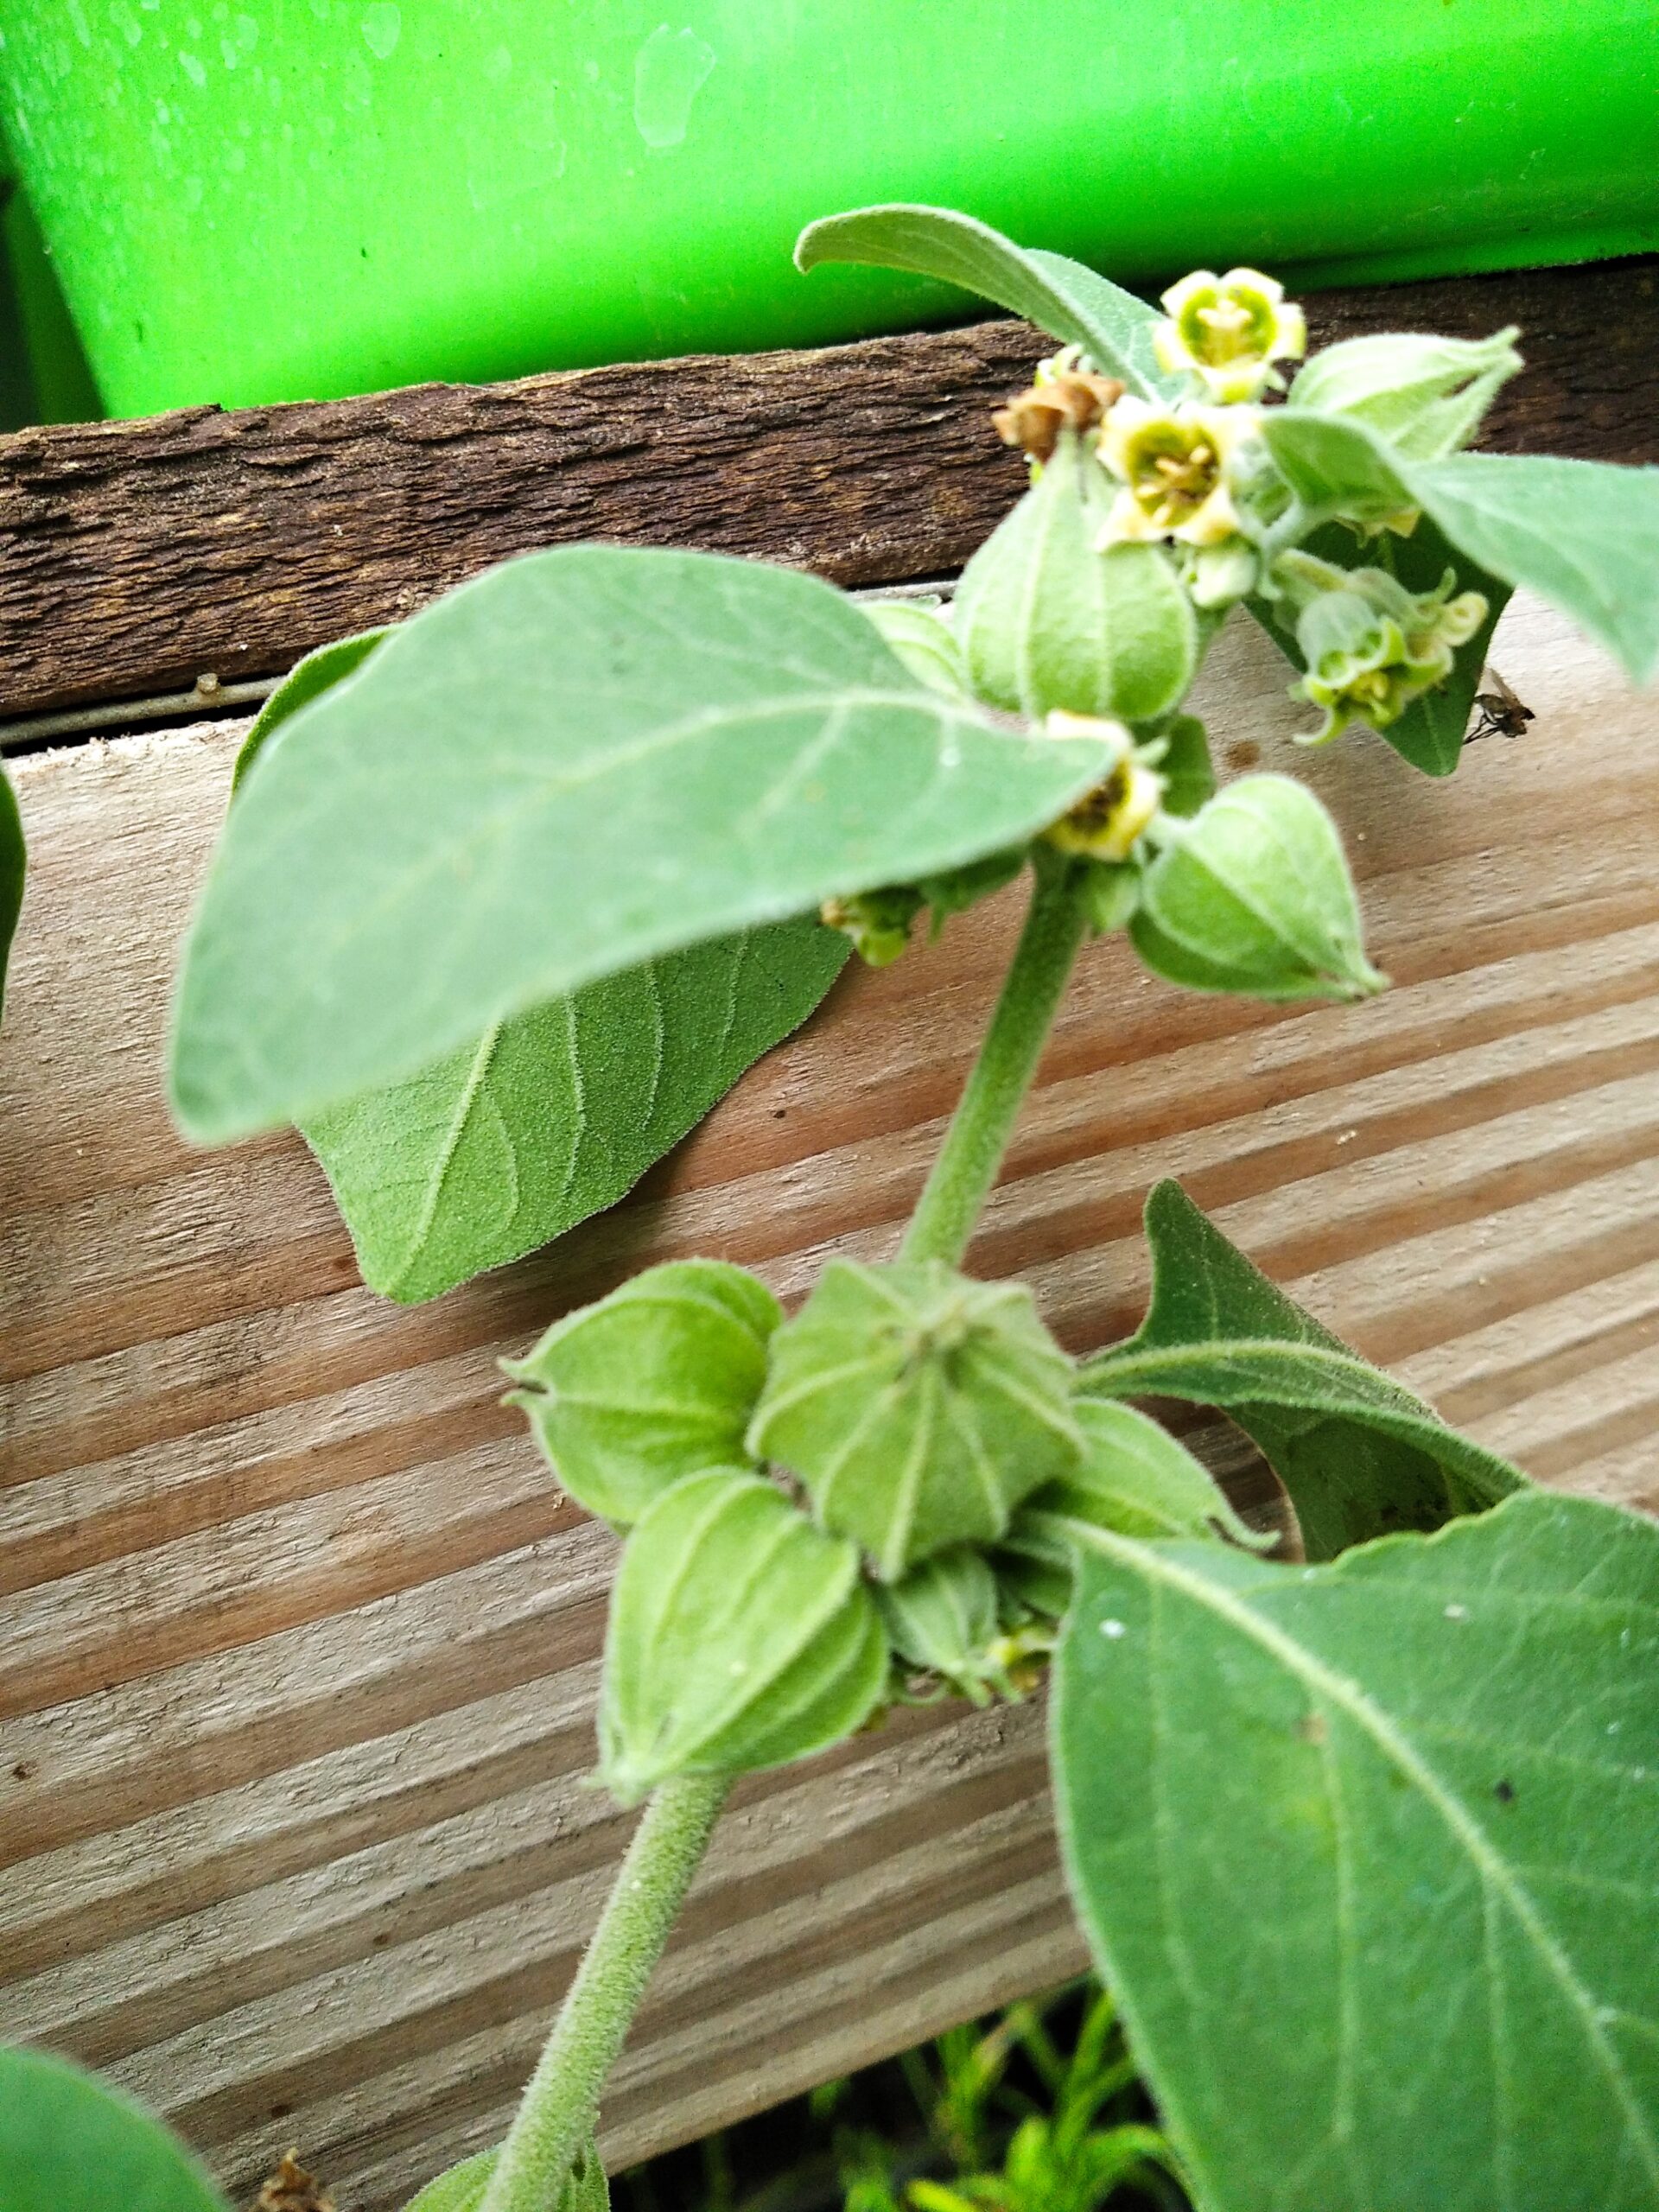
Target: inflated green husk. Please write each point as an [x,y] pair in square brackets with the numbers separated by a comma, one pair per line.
[741,1636]
[918,1407]
[1046,621]
[655,1381]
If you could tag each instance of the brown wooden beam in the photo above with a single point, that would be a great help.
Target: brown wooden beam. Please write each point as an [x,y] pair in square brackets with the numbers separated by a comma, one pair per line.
[137,557]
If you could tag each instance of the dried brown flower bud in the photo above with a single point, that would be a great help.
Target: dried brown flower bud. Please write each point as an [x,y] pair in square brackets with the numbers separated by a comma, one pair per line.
[290,2189]
[1070,399]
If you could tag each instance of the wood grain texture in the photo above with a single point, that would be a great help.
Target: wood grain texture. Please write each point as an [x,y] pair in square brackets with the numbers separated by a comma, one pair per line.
[139,556]
[298,1645]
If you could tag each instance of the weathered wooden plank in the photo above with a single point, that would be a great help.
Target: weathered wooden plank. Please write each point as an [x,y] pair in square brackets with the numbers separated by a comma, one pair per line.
[140,557]
[297,1649]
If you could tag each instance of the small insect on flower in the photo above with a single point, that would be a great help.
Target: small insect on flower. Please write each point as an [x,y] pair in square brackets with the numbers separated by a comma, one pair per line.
[1172,464]
[1063,396]
[1228,331]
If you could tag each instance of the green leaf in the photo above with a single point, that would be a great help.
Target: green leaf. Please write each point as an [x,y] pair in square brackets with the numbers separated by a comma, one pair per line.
[1582,534]
[1359,1454]
[1254,896]
[741,1636]
[1189,778]
[1335,466]
[1133,1477]
[657,1381]
[462,2190]
[555,1114]
[916,1406]
[13,863]
[69,2144]
[1060,296]
[1389,1829]
[1045,620]
[575,763]
[308,679]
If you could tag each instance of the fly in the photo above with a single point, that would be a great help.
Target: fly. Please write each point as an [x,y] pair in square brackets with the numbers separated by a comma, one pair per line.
[1499,713]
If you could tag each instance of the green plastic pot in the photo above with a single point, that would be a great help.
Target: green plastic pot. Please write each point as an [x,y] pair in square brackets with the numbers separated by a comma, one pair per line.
[262,199]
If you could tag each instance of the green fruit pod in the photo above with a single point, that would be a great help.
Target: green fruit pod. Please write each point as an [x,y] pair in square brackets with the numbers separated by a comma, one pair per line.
[918,1407]
[942,1618]
[1254,896]
[741,1636]
[651,1384]
[1046,621]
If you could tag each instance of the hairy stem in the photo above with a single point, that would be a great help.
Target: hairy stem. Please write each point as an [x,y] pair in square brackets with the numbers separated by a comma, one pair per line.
[972,1155]
[558,2112]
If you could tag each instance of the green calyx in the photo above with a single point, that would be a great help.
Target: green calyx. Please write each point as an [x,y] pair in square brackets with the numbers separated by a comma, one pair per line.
[742,1636]
[941,1619]
[1046,621]
[1426,395]
[653,1382]
[879,923]
[921,635]
[1254,896]
[917,1408]
[461,2189]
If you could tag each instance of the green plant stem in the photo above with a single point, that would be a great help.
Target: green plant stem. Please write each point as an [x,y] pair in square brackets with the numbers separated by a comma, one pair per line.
[558,2109]
[971,1156]
[558,2112]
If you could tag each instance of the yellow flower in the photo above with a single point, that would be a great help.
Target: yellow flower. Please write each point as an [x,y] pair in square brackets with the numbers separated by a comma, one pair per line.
[1173,462]
[1105,823]
[1229,331]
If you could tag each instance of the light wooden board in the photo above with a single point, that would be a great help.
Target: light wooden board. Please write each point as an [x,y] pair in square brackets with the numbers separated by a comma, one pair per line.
[297,1644]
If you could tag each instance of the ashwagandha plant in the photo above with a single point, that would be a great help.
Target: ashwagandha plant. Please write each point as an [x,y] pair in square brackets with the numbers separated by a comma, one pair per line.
[1365,1847]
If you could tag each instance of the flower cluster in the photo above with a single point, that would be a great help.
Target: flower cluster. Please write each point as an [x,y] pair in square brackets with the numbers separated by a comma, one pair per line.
[1370,645]
[1180,464]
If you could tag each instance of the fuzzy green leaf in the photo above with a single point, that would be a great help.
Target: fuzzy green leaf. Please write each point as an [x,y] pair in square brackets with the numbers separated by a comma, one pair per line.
[1254,896]
[13,863]
[741,1636]
[1582,534]
[1189,776]
[575,763]
[1359,1454]
[1046,620]
[555,1113]
[69,2144]
[916,1406]
[1426,396]
[657,1381]
[308,679]
[1060,296]
[1133,1477]
[1389,1829]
